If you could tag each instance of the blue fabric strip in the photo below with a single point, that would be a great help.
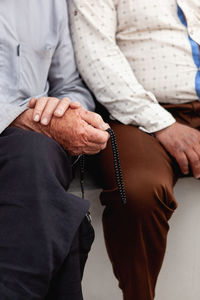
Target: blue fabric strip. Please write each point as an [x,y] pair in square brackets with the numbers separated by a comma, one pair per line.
[197,83]
[181,16]
[195,52]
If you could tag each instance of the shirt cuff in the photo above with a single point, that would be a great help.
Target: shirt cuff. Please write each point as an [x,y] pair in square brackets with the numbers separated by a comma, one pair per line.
[150,118]
[158,118]
[8,113]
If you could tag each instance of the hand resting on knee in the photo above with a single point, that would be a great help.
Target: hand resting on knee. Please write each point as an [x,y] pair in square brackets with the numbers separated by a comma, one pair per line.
[79,131]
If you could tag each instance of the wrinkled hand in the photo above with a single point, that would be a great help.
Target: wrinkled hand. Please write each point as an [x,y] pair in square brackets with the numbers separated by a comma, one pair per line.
[78,131]
[183,143]
[45,108]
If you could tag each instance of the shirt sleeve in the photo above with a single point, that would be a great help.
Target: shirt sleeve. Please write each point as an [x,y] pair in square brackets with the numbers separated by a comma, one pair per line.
[63,77]
[106,70]
[8,113]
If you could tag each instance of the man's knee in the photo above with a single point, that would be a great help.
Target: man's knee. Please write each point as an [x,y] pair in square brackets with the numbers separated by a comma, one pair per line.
[149,194]
[37,146]
[38,155]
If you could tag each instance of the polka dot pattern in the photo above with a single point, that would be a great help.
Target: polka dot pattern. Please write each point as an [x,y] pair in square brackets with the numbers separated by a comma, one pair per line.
[135,54]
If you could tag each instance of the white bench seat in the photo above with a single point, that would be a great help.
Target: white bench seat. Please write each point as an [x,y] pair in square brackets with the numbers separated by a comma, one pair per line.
[180,275]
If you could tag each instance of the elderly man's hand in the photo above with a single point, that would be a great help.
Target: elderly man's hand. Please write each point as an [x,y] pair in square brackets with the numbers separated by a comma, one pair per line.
[45,108]
[78,131]
[183,143]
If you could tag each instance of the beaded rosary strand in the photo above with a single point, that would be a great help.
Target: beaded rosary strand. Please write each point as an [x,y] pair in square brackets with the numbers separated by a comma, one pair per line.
[117,167]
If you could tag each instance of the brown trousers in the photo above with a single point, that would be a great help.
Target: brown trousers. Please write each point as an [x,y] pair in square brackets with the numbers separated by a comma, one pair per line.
[136,233]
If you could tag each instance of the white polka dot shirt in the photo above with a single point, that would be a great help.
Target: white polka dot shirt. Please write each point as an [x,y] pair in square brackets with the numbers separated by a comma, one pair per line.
[136,54]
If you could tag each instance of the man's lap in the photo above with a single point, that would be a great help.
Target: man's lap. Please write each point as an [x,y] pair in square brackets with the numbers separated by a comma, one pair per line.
[143,159]
[141,156]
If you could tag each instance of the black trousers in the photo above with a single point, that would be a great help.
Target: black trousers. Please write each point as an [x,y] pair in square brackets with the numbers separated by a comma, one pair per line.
[44,234]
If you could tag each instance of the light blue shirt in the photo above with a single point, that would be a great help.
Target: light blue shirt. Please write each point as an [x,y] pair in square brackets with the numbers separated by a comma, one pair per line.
[36,56]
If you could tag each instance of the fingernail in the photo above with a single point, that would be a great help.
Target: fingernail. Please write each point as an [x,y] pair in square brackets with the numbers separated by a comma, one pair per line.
[44,121]
[36,118]
[58,112]
[77,104]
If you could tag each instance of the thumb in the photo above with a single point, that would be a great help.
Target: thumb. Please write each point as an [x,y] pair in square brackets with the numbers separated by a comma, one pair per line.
[93,119]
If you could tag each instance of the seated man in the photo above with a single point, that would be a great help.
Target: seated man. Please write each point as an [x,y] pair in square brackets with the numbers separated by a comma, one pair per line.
[44,236]
[141,59]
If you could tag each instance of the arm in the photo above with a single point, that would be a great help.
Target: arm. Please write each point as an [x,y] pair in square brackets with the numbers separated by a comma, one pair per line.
[107,71]
[63,77]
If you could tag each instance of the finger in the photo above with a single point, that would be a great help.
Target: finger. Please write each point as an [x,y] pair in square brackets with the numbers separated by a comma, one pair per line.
[39,107]
[79,152]
[48,110]
[97,136]
[90,152]
[62,106]
[196,148]
[32,102]
[74,105]
[194,159]
[93,119]
[89,148]
[182,160]
[93,148]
